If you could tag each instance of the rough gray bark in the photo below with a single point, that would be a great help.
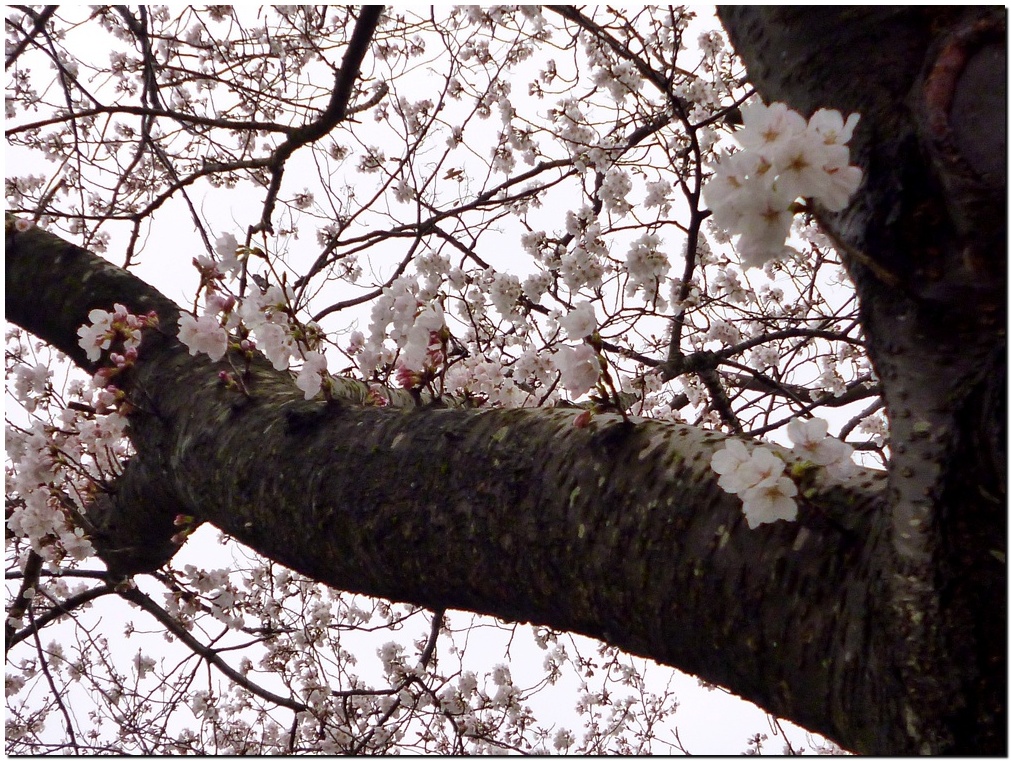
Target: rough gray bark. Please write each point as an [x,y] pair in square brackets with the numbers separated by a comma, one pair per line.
[925,243]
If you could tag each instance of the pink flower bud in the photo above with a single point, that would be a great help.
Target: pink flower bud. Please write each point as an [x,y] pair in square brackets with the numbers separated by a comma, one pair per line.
[407,378]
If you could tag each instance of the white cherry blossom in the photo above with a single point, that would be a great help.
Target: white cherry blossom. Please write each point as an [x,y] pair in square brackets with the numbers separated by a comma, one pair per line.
[203,335]
[96,336]
[767,495]
[829,125]
[728,462]
[811,441]
[226,247]
[785,157]
[274,340]
[579,367]
[580,322]
[770,500]
[840,185]
[769,127]
[310,377]
[429,320]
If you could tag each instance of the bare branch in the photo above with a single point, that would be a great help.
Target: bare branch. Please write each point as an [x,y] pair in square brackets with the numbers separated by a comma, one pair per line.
[41,19]
[144,602]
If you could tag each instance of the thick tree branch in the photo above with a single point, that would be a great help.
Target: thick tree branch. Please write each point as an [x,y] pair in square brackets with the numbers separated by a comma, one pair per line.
[617,530]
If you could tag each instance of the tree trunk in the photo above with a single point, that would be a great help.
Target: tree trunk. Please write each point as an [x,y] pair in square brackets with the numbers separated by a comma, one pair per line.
[925,244]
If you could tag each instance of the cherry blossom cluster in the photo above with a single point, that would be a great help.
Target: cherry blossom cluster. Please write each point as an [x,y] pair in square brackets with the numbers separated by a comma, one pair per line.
[56,466]
[579,365]
[264,319]
[757,475]
[409,333]
[647,266]
[484,378]
[407,314]
[784,157]
[115,326]
[583,265]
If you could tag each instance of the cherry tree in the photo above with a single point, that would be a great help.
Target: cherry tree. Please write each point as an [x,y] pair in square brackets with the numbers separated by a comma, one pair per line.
[544,314]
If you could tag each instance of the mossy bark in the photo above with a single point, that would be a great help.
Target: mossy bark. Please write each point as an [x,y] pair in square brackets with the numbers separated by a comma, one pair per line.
[616,530]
